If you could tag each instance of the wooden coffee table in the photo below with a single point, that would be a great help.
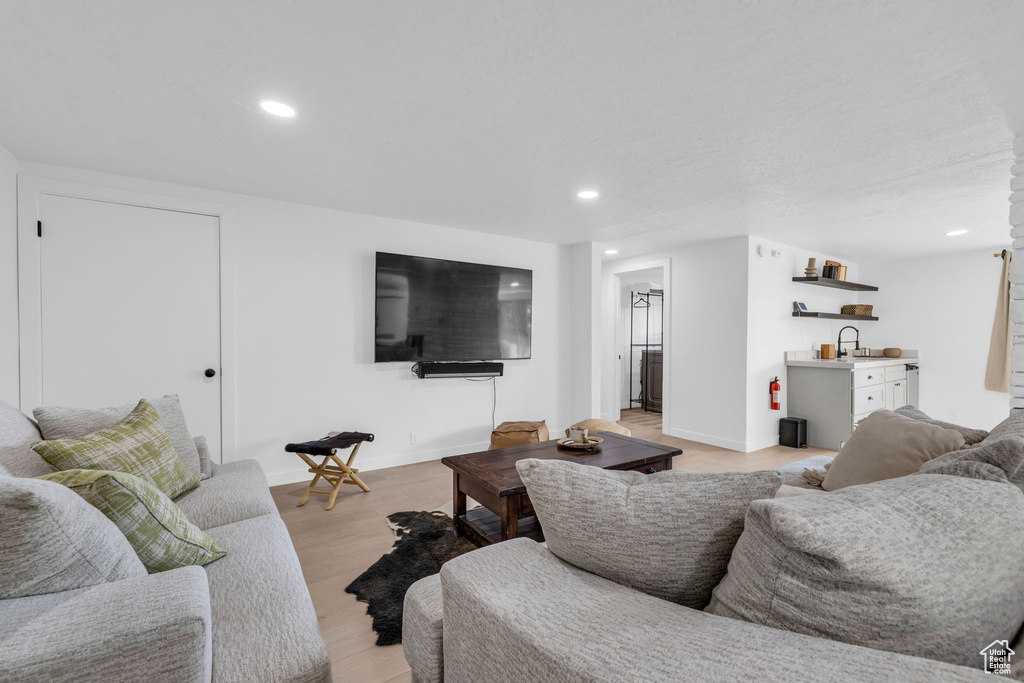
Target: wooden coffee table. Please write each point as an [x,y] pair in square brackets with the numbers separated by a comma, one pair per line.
[490,477]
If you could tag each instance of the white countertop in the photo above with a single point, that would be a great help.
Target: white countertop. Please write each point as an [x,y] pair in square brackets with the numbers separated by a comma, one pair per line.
[848,363]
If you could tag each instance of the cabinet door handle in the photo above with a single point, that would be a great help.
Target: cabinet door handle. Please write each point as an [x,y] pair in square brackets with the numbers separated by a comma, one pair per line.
[871,376]
[871,398]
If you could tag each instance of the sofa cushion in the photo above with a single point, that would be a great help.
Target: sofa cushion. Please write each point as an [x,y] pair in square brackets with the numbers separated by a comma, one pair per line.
[57,422]
[158,530]
[17,434]
[264,626]
[515,612]
[885,446]
[51,540]
[235,491]
[920,565]
[1011,426]
[139,444]
[971,436]
[668,534]
[996,461]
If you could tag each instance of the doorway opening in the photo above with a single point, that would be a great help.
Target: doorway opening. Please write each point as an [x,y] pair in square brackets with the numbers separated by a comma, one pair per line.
[641,349]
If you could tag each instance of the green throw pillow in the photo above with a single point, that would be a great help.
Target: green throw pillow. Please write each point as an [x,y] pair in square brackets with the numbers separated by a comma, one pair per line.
[139,444]
[157,529]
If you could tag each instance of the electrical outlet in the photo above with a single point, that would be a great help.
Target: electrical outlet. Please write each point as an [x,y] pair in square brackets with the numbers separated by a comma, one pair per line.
[954,415]
[414,439]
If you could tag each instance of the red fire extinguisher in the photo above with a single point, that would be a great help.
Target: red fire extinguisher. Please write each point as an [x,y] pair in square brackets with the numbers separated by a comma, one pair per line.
[775,390]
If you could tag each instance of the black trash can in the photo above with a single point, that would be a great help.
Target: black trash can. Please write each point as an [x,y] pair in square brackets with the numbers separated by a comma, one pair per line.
[793,432]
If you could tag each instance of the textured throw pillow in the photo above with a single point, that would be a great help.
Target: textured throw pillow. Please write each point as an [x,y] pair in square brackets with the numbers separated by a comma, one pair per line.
[138,445]
[885,446]
[667,534]
[1011,426]
[157,529]
[51,541]
[17,434]
[56,422]
[998,461]
[924,565]
[971,436]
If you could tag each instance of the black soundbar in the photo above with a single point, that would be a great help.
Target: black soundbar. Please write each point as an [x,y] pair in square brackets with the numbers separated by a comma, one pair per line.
[428,369]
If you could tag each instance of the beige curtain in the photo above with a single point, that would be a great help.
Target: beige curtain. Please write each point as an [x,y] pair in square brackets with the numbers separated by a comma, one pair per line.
[997,375]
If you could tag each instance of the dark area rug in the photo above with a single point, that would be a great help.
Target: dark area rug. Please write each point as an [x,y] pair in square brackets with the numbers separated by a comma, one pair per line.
[426,540]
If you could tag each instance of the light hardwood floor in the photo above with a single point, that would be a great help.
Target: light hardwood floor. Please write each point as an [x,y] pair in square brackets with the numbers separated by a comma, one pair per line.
[335,547]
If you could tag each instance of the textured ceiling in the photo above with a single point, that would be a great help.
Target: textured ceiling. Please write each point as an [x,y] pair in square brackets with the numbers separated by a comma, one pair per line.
[858,128]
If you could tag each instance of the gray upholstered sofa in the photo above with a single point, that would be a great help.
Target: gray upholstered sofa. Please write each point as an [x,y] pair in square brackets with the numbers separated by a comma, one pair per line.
[516,612]
[246,617]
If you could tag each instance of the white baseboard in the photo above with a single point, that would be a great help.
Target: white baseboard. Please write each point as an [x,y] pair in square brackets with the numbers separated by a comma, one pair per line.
[762,442]
[709,439]
[298,474]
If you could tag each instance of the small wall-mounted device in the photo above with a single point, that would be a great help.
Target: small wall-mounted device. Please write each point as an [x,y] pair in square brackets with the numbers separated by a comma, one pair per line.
[429,369]
[799,307]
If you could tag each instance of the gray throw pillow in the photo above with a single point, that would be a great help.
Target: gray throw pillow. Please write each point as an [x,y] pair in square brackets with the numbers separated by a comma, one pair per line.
[51,540]
[56,422]
[17,434]
[885,446]
[667,534]
[971,436]
[924,565]
[1011,426]
[997,461]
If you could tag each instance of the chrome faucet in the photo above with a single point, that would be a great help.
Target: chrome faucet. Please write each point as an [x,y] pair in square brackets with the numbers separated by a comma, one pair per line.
[839,342]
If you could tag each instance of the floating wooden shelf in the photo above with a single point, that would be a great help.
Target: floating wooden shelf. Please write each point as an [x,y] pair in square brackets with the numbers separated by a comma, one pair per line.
[833,316]
[836,284]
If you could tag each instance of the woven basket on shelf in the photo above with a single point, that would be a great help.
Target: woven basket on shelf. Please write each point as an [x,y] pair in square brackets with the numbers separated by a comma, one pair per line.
[857,309]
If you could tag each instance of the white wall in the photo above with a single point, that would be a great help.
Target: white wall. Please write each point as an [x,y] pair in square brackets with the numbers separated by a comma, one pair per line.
[772,329]
[304,318]
[706,336]
[943,306]
[583,331]
[9,387]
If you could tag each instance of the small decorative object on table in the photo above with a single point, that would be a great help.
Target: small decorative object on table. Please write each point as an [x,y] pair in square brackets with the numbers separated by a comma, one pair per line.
[334,474]
[812,268]
[590,443]
[892,352]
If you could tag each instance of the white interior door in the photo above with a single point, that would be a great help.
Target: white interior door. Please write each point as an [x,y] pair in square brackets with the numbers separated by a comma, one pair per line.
[130,308]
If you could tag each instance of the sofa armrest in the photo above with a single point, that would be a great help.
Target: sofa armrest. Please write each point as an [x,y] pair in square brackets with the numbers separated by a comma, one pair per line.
[513,611]
[150,628]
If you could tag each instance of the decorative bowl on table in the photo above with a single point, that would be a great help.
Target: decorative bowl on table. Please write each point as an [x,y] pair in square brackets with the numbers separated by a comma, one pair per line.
[592,443]
[892,353]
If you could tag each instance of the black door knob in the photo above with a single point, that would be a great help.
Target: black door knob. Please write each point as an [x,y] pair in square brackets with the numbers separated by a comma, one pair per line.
[210,372]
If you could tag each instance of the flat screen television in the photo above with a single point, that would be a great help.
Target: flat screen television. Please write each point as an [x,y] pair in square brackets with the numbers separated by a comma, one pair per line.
[437,310]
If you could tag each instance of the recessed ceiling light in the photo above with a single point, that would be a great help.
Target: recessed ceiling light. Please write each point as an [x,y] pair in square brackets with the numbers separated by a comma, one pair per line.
[588,194]
[611,252]
[277,108]
[514,284]
[954,233]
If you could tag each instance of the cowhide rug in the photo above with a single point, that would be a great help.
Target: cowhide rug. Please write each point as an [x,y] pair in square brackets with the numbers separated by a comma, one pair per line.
[426,540]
